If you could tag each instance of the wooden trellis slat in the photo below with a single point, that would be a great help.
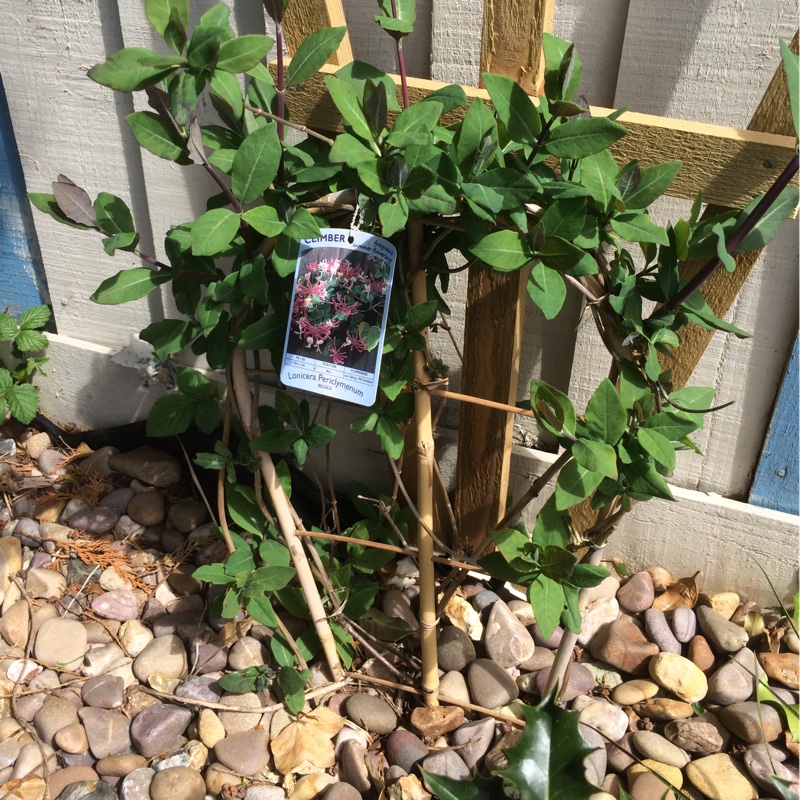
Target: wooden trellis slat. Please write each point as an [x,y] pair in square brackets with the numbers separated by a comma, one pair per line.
[495,310]
[305,16]
[729,166]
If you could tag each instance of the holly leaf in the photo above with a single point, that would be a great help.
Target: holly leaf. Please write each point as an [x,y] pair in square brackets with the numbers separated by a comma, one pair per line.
[547,762]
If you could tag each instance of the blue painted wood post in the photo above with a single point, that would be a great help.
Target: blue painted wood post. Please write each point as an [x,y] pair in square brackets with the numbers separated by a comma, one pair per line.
[776,482]
[22,279]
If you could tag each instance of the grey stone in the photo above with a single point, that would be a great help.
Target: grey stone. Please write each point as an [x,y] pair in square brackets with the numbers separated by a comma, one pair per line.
[88,790]
[165,656]
[98,461]
[724,636]
[490,685]
[752,722]
[186,515]
[445,763]
[60,642]
[148,465]
[103,691]
[658,630]
[353,766]
[341,791]
[247,652]
[474,740]
[55,713]
[148,508]
[136,785]
[120,604]
[371,713]
[200,688]
[761,766]
[620,753]
[455,649]
[95,520]
[595,763]
[246,752]
[27,531]
[637,594]
[405,750]
[108,731]
[506,639]
[157,728]
[684,623]
[652,745]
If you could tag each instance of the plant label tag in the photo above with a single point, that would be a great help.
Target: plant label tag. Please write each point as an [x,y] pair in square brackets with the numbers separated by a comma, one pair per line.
[339,307]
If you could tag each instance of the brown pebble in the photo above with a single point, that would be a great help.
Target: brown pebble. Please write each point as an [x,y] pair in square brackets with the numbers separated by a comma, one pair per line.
[663,709]
[700,654]
[781,667]
[436,720]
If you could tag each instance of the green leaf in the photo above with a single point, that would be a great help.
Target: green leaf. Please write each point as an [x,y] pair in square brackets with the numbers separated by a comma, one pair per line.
[587,576]
[269,579]
[421,316]
[556,563]
[263,334]
[47,203]
[358,73]
[504,251]
[632,385]
[598,174]
[554,410]
[451,97]
[213,231]
[226,86]
[351,151]
[548,761]
[636,226]
[699,312]
[596,457]
[31,341]
[8,328]
[547,601]
[513,186]
[112,214]
[243,52]
[580,137]
[552,526]
[670,424]
[34,317]
[291,683]
[728,261]
[156,135]
[565,218]
[274,554]
[213,573]
[348,100]
[303,225]
[791,68]
[514,108]
[658,446]
[575,483]
[265,220]
[511,543]
[547,290]
[766,229]
[475,788]
[160,12]
[170,415]
[23,402]
[558,253]
[605,415]
[653,182]
[384,627]
[421,118]
[391,437]
[130,284]
[126,72]
[312,53]
[256,163]
[242,681]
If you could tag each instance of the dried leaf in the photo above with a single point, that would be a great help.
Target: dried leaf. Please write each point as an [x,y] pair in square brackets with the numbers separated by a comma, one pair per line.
[464,616]
[306,745]
[682,593]
[231,632]
[197,151]
[409,787]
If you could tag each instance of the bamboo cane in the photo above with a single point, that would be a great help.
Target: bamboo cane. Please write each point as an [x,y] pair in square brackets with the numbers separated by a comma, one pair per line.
[425,471]
[244,401]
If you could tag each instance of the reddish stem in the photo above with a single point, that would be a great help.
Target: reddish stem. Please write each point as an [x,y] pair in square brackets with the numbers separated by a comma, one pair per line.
[401,62]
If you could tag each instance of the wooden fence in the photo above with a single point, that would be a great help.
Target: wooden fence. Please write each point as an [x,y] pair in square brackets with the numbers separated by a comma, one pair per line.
[706,64]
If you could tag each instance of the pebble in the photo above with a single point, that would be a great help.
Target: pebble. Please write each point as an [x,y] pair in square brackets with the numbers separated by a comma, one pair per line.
[217,776]
[404,749]
[246,752]
[700,654]
[136,785]
[658,629]
[454,685]
[120,766]
[353,765]
[165,656]
[148,508]
[371,713]
[752,722]
[596,762]
[619,754]
[103,691]
[663,709]
[108,731]
[60,642]
[678,675]
[186,515]
[210,729]
[724,603]
[311,786]
[623,645]
[579,681]
[178,783]
[157,728]
[14,624]
[762,764]
[45,584]
[147,464]
[88,790]
[720,777]
[637,594]
[684,623]
[182,580]
[781,667]
[55,713]
[490,685]
[635,691]
[445,763]
[80,773]
[239,721]
[474,740]
[647,786]
[551,642]
[342,791]
[27,531]
[735,680]
[200,687]
[506,639]
[598,614]
[723,636]
[455,649]
[135,636]
[102,658]
[653,745]
[694,735]
[610,720]
[96,521]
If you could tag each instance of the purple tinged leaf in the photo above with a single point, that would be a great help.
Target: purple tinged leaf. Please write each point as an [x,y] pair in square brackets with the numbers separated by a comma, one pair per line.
[194,143]
[74,202]
[158,100]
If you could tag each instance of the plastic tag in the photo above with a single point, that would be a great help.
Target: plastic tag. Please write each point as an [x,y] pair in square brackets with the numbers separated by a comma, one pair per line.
[339,308]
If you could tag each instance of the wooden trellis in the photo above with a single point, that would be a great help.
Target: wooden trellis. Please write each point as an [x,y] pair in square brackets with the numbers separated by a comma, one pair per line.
[728,165]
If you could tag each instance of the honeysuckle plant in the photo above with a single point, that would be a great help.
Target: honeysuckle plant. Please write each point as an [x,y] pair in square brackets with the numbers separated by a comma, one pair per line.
[514,183]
